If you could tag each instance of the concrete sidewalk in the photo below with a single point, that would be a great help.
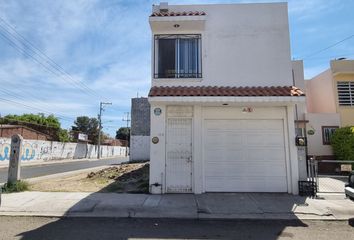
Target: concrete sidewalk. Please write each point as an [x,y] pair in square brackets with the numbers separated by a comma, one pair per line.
[204,206]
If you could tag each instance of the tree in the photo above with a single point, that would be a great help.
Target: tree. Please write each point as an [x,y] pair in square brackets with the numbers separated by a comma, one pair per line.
[35,119]
[88,126]
[64,135]
[123,133]
[342,142]
[82,124]
[49,125]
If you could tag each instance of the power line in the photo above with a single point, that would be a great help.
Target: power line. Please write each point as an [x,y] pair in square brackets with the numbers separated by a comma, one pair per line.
[23,46]
[19,37]
[332,56]
[330,46]
[33,58]
[22,51]
[19,97]
[32,108]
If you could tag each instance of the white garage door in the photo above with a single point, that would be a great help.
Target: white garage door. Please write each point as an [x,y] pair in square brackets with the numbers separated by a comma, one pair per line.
[244,156]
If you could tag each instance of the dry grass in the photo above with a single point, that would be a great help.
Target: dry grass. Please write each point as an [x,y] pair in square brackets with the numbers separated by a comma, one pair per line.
[131,178]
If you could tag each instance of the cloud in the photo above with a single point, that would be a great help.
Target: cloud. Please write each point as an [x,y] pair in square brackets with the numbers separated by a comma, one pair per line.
[103,44]
[106,46]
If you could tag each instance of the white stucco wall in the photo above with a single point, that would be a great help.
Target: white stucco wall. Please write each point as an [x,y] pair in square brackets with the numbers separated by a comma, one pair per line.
[242,44]
[36,150]
[139,148]
[158,151]
[316,121]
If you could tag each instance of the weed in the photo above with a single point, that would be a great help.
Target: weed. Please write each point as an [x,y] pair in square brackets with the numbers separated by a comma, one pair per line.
[18,186]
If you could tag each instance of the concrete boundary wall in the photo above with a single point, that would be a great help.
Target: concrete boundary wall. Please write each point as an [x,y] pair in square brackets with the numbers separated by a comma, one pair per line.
[140,146]
[38,150]
[140,130]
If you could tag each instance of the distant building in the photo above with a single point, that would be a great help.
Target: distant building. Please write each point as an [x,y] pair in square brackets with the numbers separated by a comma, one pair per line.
[7,131]
[140,129]
[77,136]
[330,104]
[115,142]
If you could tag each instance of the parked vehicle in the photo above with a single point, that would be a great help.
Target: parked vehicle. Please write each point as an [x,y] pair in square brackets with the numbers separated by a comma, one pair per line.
[349,187]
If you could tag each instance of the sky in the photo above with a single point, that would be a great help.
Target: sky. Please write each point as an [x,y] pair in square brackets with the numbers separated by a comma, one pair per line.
[64,57]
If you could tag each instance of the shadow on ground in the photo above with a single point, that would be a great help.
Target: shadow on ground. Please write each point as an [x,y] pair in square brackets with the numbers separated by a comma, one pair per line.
[167,228]
[201,206]
[103,228]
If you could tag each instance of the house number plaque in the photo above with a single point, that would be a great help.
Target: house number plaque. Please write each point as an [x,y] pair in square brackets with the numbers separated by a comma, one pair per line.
[157,111]
[155,140]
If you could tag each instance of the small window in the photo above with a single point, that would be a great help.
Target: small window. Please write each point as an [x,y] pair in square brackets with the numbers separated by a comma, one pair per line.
[327,132]
[177,56]
[345,93]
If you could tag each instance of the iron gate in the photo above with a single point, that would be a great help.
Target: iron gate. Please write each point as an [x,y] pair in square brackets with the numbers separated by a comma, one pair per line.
[330,175]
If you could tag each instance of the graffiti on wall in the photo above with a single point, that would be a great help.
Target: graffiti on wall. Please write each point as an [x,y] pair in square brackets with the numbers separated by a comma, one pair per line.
[4,151]
[37,150]
[28,151]
[44,152]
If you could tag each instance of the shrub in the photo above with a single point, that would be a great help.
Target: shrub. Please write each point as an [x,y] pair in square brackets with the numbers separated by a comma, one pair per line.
[342,142]
[18,186]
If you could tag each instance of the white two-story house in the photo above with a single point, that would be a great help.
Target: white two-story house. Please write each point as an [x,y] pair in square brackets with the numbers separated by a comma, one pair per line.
[222,99]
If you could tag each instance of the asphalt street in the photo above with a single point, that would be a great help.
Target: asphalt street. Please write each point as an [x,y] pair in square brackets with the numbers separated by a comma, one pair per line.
[114,228]
[53,168]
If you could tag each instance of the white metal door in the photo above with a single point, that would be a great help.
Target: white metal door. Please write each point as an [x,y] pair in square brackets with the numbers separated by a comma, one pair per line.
[244,156]
[179,155]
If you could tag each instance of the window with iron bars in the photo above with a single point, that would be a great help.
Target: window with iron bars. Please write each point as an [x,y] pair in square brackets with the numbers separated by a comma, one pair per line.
[177,56]
[327,132]
[345,93]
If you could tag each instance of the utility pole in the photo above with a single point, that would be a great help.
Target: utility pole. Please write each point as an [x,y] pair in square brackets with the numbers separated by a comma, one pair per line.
[102,105]
[127,119]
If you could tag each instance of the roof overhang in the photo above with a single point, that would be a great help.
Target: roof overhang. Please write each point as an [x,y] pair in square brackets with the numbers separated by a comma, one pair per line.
[232,101]
[343,73]
[184,23]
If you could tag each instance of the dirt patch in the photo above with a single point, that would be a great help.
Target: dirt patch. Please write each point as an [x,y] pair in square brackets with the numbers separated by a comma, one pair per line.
[122,178]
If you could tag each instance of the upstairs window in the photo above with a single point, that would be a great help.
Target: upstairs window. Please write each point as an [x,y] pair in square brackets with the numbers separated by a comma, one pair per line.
[345,93]
[177,56]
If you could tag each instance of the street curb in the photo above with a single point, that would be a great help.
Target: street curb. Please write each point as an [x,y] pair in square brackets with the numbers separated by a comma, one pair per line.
[126,215]
[28,164]
[64,174]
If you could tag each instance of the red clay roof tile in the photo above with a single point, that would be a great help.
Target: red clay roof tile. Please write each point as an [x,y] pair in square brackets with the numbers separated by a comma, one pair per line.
[175,14]
[211,91]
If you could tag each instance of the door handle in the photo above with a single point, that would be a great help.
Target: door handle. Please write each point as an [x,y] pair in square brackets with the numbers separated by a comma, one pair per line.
[189,159]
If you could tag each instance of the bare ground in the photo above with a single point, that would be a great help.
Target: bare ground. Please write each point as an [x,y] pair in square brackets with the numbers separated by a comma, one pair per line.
[122,178]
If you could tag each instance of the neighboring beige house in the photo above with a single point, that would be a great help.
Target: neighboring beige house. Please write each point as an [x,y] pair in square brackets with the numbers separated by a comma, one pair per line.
[330,104]
[223,101]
